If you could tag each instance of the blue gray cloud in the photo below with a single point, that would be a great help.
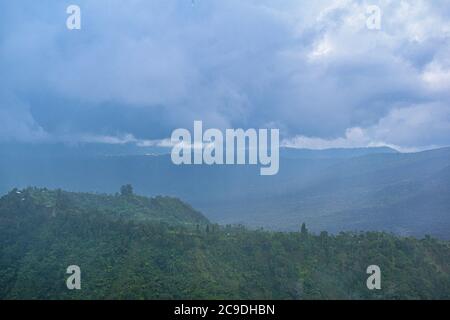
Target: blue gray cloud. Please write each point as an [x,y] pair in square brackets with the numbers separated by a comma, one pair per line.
[138,69]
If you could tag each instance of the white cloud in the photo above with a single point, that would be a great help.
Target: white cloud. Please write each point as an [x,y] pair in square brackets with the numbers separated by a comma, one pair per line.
[120,139]
[437,77]
[413,128]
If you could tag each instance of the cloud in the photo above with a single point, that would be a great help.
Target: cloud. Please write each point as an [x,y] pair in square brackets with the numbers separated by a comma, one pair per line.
[406,129]
[139,69]
[437,77]
[114,140]
[17,123]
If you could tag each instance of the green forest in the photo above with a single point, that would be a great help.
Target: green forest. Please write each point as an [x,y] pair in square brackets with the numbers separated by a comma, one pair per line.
[134,247]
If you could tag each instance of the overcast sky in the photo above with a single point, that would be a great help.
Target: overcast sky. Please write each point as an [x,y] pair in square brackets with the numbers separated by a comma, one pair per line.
[138,69]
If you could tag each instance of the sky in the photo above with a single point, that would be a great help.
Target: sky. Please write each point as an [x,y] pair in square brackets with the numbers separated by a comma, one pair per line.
[139,69]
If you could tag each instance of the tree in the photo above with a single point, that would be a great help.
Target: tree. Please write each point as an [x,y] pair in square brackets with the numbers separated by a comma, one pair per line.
[126,190]
[304,231]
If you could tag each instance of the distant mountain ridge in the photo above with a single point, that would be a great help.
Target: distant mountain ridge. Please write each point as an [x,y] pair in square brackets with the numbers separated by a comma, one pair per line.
[296,153]
[334,190]
[131,149]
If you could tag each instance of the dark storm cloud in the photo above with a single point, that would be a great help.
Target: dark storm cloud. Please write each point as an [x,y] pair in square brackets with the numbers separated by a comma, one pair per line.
[311,68]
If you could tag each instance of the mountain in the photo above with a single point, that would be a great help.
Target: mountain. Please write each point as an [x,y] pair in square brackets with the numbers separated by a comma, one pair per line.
[296,153]
[407,194]
[132,247]
[49,203]
[375,189]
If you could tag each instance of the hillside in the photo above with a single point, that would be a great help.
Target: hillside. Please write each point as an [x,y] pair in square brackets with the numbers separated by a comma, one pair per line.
[408,194]
[123,254]
[33,202]
[372,189]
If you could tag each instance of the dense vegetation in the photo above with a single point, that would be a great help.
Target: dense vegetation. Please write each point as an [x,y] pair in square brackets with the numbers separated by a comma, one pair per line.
[131,247]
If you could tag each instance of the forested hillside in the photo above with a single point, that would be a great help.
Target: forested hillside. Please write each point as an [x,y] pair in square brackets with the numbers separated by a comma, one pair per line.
[133,247]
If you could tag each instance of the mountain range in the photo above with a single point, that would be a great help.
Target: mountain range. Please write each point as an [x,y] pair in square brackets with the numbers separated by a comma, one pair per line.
[372,189]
